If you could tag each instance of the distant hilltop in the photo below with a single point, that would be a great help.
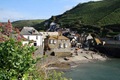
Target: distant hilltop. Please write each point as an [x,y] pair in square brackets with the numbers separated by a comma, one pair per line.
[33,23]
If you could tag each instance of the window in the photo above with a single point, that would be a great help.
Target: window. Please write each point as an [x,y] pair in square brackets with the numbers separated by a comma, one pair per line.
[35,44]
[36,37]
[60,45]
[28,37]
[55,42]
[65,45]
[51,41]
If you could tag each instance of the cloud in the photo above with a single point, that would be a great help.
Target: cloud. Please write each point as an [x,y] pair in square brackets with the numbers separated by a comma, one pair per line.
[13,15]
[9,14]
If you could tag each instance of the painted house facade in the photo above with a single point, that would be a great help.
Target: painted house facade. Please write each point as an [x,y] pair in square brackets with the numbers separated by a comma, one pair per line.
[32,34]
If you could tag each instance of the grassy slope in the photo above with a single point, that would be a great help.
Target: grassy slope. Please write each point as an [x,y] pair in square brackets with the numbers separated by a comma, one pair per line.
[95,16]
[23,23]
[92,13]
[112,18]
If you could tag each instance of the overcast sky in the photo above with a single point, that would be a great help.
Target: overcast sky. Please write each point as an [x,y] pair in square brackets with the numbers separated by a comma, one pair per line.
[34,9]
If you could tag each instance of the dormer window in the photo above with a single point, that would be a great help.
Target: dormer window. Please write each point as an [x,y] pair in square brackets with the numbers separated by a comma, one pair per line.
[33,31]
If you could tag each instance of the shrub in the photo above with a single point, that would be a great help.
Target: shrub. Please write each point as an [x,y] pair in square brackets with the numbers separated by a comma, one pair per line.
[17,63]
[15,60]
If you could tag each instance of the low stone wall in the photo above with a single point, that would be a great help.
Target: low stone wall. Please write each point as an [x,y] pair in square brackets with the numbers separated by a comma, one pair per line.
[63,54]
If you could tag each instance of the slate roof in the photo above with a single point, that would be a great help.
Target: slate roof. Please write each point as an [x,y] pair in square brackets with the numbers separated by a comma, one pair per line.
[29,31]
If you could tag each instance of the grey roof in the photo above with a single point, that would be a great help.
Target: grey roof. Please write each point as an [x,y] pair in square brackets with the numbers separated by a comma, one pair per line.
[29,31]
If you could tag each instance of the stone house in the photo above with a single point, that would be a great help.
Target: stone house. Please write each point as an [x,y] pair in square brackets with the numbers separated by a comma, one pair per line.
[58,45]
[45,34]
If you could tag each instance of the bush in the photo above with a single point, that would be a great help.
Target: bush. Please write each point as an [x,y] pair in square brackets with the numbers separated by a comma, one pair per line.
[15,60]
[16,63]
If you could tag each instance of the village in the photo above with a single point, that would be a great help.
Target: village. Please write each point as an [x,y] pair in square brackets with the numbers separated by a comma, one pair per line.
[60,45]
[60,40]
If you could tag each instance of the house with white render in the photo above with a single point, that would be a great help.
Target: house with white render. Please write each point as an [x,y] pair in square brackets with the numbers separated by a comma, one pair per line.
[33,35]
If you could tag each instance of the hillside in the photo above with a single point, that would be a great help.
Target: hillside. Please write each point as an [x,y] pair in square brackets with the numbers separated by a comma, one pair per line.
[101,17]
[22,23]
[93,13]
[96,16]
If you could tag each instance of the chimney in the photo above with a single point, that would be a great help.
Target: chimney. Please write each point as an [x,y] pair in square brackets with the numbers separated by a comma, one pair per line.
[60,33]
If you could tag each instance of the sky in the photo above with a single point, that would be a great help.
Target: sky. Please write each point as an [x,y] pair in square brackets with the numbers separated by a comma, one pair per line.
[34,9]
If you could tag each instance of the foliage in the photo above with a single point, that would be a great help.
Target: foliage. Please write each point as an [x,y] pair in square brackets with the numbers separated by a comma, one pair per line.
[17,63]
[15,60]
[93,13]
[57,76]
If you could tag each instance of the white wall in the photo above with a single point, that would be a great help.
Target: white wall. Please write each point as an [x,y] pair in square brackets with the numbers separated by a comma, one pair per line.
[37,38]
[25,42]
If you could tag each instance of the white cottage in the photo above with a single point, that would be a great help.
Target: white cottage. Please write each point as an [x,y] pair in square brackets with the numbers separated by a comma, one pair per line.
[32,34]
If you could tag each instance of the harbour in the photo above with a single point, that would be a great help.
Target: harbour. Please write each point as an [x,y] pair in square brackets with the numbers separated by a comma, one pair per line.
[98,70]
[111,48]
